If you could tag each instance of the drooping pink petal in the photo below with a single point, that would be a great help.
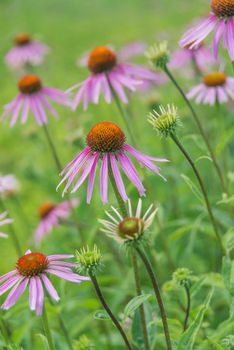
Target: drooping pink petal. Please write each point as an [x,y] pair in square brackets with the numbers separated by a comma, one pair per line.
[104,179]
[118,178]
[92,178]
[49,287]
[15,293]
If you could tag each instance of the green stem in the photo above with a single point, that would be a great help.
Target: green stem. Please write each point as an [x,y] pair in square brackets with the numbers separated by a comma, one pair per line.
[200,127]
[108,310]
[157,294]
[203,189]
[123,113]
[65,332]
[52,148]
[188,307]
[59,167]
[12,232]
[142,310]
[47,329]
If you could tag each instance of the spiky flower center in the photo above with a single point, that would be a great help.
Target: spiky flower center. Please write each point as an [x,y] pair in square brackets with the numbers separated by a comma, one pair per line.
[32,264]
[22,39]
[130,228]
[29,84]
[105,137]
[223,8]
[45,209]
[101,59]
[214,79]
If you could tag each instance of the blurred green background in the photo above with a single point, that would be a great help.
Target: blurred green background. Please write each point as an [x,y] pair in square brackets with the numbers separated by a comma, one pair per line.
[71,28]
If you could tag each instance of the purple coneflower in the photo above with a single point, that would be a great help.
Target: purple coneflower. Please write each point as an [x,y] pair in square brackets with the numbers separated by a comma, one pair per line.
[108,73]
[200,56]
[216,87]
[51,215]
[26,51]
[34,96]
[106,142]
[9,185]
[4,221]
[221,22]
[32,271]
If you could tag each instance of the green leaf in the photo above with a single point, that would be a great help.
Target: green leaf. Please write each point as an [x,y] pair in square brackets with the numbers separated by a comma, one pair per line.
[213,345]
[134,304]
[228,275]
[224,140]
[193,187]
[44,341]
[101,315]
[188,338]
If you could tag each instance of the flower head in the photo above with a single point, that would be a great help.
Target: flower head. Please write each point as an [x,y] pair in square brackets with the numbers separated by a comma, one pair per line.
[220,21]
[4,221]
[32,270]
[51,215]
[106,143]
[34,96]
[9,185]
[108,76]
[215,87]
[165,121]
[88,260]
[130,229]
[158,54]
[25,52]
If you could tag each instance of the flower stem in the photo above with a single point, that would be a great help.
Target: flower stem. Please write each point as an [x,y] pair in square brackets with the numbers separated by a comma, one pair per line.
[188,307]
[139,292]
[124,213]
[53,149]
[200,127]
[12,232]
[59,167]
[157,294]
[108,310]
[65,332]
[203,189]
[123,113]
[47,329]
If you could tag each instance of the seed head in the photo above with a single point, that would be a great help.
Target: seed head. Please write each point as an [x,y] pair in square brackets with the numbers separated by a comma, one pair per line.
[165,120]
[182,276]
[158,54]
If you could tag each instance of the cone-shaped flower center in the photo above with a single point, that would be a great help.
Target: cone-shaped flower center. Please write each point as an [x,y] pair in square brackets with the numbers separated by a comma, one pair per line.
[223,8]
[32,264]
[45,209]
[22,39]
[130,227]
[105,137]
[214,79]
[101,59]
[29,84]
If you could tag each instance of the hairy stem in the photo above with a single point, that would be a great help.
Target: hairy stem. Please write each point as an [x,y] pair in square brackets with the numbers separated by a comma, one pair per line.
[47,329]
[157,294]
[203,189]
[109,312]
[200,127]
[188,307]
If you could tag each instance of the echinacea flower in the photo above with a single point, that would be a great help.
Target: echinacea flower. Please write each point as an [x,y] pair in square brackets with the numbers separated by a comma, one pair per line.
[106,143]
[51,215]
[32,270]
[220,21]
[200,56]
[130,228]
[9,185]
[26,52]
[108,75]
[216,87]
[34,96]
[4,221]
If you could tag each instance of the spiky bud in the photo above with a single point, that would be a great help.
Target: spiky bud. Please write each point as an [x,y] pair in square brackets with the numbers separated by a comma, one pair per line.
[165,120]
[158,54]
[89,260]
[182,277]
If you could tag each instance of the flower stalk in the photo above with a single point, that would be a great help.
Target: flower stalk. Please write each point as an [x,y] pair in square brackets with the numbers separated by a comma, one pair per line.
[157,292]
[188,296]
[200,127]
[108,310]
[47,329]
